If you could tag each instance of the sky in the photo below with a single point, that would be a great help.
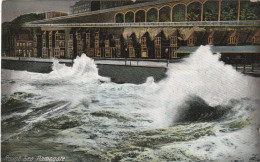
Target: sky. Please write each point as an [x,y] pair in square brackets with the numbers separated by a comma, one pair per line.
[13,8]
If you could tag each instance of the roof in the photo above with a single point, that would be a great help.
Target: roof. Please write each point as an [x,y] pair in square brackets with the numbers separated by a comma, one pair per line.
[254,33]
[204,38]
[24,36]
[241,34]
[81,2]
[145,34]
[187,34]
[90,13]
[132,35]
[223,49]
[60,32]
[199,35]
[160,34]
[176,33]
[228,34]
[218,36]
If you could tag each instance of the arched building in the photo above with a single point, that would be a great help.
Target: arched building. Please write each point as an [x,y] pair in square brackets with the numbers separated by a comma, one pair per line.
[183,23]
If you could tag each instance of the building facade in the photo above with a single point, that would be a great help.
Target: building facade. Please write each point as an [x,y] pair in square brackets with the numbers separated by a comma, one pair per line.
[152,30]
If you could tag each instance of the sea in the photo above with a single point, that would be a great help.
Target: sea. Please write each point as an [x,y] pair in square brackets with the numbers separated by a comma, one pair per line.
[204,110]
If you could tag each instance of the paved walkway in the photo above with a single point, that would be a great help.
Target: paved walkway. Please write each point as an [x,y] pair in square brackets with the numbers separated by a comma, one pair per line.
[247,69]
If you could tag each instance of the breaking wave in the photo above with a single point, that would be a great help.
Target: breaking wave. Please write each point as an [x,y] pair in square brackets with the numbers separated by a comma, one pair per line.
[204,110]
[204,76]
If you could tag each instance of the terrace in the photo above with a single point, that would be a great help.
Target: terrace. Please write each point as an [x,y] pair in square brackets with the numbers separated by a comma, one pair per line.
[153,24]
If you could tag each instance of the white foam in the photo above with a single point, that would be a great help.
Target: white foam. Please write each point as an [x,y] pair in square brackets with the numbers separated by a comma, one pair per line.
[200,74]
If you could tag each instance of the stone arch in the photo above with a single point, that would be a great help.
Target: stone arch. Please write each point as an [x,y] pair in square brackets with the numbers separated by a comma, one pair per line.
[152,15]
[210,11]
[140,16]
[119,18]
[165,14]
[129,17]
[178,13]
[194,11]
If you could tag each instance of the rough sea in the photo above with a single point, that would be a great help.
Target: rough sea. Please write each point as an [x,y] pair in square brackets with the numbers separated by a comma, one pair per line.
[203,110]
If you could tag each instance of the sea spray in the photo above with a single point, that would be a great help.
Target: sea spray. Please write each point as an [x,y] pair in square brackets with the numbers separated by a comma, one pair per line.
[202,74]
[83,70]
[74,113]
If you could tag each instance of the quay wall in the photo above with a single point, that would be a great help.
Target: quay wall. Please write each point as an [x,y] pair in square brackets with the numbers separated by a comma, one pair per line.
[118,73]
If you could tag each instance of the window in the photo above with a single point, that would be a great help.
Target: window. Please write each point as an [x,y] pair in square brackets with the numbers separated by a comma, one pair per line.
[174,40]
[143,41]
[191,41]
[70,51]
[56,51]
[130,43]
[256,39]
[17,44]
[71,36]
[117,42]
[158,41]
[131,52]
[62,52]
[233,40]
[44,51]
[29,53]
[78,36]
[87,36]
[210,40]
[96,42]
[107,43]
[61,44]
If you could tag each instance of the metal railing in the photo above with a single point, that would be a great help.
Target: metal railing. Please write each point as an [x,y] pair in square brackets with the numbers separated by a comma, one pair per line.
[154,24]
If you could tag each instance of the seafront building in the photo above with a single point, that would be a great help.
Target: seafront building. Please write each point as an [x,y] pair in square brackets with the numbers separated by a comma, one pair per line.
[144,29]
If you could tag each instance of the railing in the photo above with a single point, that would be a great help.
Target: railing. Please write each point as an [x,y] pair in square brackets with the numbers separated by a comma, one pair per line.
[105,61]
[154,24]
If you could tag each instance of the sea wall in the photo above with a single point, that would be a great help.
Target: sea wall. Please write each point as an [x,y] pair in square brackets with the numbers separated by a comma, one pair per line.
[118,73]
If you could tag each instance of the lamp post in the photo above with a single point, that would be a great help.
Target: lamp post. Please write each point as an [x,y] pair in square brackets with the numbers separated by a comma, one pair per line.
[167,53]
[125,55]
